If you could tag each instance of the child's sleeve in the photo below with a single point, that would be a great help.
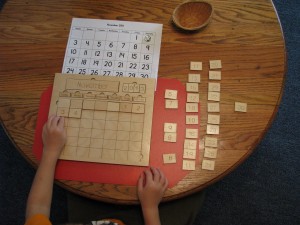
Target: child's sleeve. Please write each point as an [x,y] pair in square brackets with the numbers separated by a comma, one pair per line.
[38,219]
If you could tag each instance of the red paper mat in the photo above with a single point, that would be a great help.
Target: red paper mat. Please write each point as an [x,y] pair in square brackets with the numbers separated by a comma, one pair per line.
[128,175]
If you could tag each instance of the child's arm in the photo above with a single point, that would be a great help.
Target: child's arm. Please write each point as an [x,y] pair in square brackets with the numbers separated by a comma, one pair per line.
[54,138]
[152,185]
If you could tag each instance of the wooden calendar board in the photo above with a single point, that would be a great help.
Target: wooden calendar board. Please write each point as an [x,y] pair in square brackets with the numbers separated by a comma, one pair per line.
[108,119]
[113,48]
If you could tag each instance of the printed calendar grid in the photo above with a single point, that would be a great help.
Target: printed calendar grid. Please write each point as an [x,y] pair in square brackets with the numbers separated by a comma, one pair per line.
[112,52]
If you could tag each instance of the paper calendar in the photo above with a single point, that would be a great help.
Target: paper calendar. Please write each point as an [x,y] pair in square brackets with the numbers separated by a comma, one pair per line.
[113,48]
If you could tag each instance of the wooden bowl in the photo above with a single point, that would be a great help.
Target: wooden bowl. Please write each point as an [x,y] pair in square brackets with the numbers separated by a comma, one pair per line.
[192,15]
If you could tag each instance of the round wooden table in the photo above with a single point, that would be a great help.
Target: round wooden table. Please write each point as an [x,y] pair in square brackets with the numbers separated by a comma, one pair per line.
[245,35]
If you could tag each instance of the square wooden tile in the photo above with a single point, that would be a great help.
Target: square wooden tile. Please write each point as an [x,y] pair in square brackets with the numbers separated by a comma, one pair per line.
[214,75]
[169,158]
[208,164]
[194,78]
[191,119]
[213,107]
[188,165]
[211,142]
[213,96]
[170,127]
[210,152]
[195,65]
[213,119]
[216,87]
[190,144]
[171,94]
[171,104]
[170,137]
[240,107]
[192,87]
[212,129]
[191,133]
[191,107]
[193,97]
[215,64]
[189,154]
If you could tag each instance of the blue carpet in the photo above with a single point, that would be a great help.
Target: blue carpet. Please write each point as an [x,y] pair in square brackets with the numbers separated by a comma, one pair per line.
[263,190]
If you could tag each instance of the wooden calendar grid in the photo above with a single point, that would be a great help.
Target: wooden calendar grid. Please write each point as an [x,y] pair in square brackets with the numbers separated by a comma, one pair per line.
[108,119]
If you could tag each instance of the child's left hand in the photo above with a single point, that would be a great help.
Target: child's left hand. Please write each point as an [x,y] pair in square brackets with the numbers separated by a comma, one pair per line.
[54,136]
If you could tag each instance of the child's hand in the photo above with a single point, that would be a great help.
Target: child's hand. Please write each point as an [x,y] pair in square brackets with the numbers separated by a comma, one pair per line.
[152,185]
[54,136]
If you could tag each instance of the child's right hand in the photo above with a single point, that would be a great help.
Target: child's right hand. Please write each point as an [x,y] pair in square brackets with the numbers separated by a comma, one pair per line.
[152,185]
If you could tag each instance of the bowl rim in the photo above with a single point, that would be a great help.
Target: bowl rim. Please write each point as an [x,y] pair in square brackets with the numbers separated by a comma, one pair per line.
[175,20]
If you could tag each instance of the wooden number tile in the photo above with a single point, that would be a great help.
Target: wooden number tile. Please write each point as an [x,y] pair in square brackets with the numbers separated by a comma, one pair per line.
[64,103]
[190,144]
[240,107]
[171,104]
[213,96]
[212,129]
[169,158]
[194,78]
[113,106]
[191,119]
[211,142]
[191,107]
[214,75]
[210,152]
[188,165]
[196,66]
[170,127]
[213,107]
[138,108]
[208,164]
[75,113]
[213,119]
[125,107]
[191,133]
[192,87]
[214,87]
[215,64]
[170,137]
[125,88]
[189,154]
[136,88]
[131,88]
[142,88]
[192,97]
[62,112]
[171,94]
